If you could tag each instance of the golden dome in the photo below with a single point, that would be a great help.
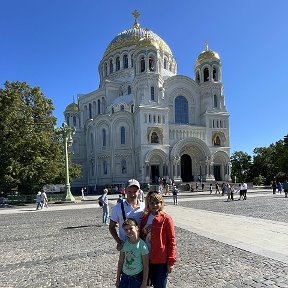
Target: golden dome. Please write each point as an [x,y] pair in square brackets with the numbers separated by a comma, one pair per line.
[207,55]
[137,36]
[73,107]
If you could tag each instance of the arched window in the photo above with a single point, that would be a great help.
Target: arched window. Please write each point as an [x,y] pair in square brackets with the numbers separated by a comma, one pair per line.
[181,110]
[74,121]
[67,120]
[215,78]
[122,135]
[206,74]
[111,66]
[132,108]
[122,108]
[91,141]
[217,141]
[165,64]
[154,137]
[129,89]
[152,94]
[125,61]
[98,106]
[197,77]
[105,167]
[90,111]
[151,64]
[123,166]
[215,101]
[112,110]
[103,137]
[132,62]
[142,64]
[105,69]
[117,64]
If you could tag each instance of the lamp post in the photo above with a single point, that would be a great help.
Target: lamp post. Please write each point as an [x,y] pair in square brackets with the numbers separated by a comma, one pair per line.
[65,132]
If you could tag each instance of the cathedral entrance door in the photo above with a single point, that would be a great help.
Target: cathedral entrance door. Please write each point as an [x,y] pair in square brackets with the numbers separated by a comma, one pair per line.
[186,168]
[217,174]
[154,173]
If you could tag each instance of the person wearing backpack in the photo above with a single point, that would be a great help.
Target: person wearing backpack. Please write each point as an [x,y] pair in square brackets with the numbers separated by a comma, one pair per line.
[103,203]
[130,207]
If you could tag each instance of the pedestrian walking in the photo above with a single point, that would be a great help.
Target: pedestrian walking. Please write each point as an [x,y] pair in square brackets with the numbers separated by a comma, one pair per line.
[44,199]
[105,207]
[131,207]
[38,201]
[133,263]
[274,187]
[279,187]
[158,233]
[175,194]
[285,188]
[210,188]
[203,185]
[243,191]
[217,188]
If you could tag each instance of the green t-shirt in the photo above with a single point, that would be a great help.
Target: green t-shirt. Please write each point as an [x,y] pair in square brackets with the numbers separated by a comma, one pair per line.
[133,257]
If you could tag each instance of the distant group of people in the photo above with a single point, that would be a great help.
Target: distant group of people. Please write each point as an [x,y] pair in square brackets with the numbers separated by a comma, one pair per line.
[144,235]
[280,187]
[41,200]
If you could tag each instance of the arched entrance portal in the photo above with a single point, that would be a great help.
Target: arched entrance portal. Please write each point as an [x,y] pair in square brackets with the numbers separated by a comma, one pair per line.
[186,168]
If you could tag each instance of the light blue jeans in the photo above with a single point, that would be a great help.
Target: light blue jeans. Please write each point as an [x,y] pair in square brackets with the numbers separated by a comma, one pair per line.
[105,215]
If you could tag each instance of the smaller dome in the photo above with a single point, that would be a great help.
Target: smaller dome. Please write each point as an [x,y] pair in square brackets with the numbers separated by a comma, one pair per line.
[207,55]
[73,107]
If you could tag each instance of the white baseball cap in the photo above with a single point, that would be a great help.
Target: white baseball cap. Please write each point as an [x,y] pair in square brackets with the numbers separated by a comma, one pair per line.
[133,182]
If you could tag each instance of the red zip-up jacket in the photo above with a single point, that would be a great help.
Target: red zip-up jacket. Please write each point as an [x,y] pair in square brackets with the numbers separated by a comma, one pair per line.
[163,241]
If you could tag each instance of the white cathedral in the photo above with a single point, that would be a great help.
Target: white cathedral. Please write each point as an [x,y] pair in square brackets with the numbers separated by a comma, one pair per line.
[145,121]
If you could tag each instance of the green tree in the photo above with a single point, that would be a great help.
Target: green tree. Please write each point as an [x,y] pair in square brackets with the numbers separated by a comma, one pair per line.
[29,155]
[241,166]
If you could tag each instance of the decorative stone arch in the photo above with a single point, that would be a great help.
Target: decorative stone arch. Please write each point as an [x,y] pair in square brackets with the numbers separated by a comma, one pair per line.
[218,135]
[190,158]
[158,131]
[203,73]
[221,166]
[181,92]
[156,165]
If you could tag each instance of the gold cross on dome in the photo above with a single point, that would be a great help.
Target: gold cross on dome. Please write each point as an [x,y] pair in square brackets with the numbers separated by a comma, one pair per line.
[206,45]
[136,15]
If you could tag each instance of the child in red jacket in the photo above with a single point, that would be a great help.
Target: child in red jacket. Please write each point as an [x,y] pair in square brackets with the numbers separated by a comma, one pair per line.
[158,233]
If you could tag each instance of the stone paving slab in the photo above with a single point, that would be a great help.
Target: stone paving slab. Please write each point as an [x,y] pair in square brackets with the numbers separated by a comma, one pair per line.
[68,248]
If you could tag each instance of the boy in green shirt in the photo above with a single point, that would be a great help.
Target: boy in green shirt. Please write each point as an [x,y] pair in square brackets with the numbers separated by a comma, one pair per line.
[133,263]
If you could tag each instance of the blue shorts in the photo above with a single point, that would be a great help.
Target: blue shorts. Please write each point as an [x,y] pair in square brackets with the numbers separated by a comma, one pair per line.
[131,281]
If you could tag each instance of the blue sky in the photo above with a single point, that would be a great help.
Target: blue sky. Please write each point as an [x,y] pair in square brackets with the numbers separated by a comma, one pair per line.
[58,44]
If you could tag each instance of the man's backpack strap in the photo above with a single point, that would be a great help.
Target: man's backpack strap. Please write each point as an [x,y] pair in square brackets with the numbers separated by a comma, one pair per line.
[123,211]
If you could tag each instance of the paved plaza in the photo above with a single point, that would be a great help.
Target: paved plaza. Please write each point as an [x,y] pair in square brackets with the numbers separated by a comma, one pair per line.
[219,244]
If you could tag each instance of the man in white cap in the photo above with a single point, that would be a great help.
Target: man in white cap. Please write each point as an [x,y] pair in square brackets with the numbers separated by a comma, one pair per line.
[131,207]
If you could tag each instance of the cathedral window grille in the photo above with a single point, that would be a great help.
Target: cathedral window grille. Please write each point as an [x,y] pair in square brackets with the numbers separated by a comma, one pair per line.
[154,137]
[125,61]
[105,167]
[129,89]
[215,101]
[122,108]
[165,64]
[214,74]
[111,66]
[206,74]
[74,121]
[105,69]
[142,64]
[181,110]
[124,166]
[122,135]
[91,141]
[98,106]
[117,64]
[103,137]
[151,64]
[90,111]
[217,141]
[197,77]
[152,94]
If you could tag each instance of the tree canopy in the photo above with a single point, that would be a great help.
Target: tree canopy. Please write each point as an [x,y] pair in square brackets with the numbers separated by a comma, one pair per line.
[267,164]
[29,155]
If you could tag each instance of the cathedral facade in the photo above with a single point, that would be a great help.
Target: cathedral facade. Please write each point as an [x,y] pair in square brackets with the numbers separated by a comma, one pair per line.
[145,121]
